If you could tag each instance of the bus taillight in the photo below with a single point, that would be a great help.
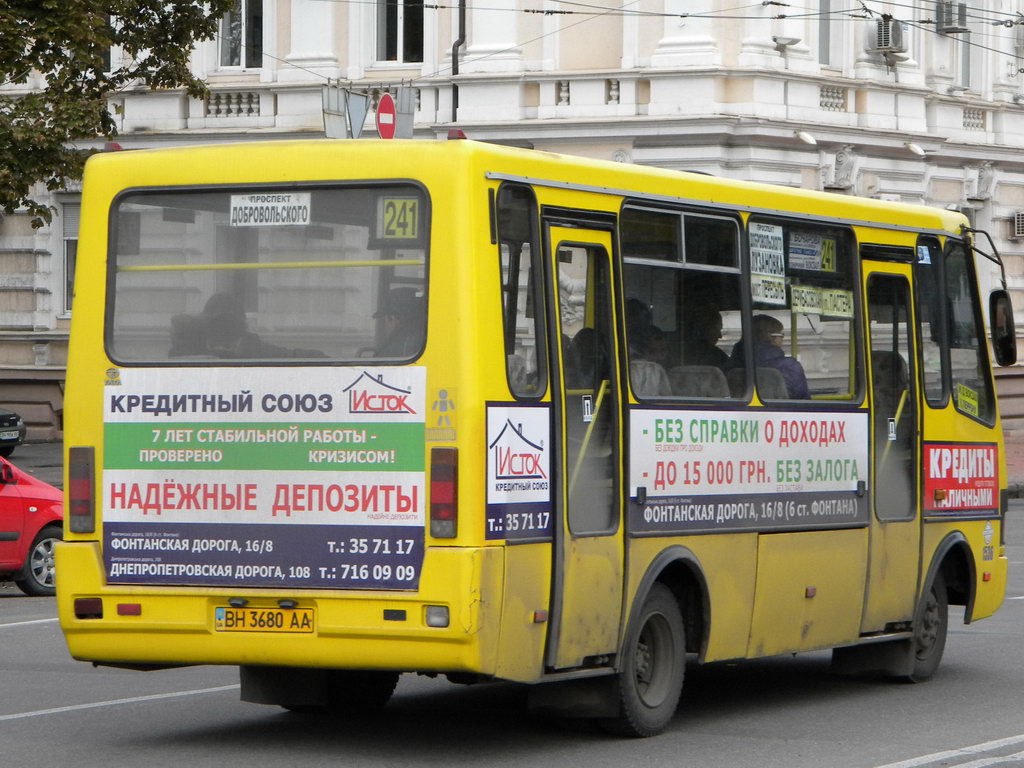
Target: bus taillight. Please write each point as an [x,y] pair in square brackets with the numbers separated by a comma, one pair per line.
[80,495]
[444,492]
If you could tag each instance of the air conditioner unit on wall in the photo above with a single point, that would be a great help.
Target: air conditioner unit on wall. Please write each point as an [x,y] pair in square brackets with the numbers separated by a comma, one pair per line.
[890,37]
[1017,226]
[950,17]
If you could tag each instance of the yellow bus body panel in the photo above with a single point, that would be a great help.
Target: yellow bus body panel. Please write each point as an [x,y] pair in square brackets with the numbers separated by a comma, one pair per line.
[525,606]
[176,624]
[810,589]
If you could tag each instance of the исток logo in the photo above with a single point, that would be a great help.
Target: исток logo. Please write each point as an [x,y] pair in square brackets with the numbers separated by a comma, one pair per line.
[373,395]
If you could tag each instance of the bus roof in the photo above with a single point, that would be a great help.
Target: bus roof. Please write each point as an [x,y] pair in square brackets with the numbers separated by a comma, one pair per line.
[327,159]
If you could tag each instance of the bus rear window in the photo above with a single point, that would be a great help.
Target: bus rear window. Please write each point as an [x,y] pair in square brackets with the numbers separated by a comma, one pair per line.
[228,276]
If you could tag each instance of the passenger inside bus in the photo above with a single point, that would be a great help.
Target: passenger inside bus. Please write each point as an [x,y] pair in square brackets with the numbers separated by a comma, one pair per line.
[702,332]
[769,336]
[649,377]
[221,330]
[582,354]
[401,315]
[772,361]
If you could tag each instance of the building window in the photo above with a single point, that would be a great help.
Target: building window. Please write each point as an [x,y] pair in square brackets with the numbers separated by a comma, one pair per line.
[70,218]
[400,30]
[241,35]
[830,34]
[970,63]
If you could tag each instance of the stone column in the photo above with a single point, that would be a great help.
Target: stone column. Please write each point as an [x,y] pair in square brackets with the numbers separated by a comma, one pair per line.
[492,44]
[687,38]
[312,48]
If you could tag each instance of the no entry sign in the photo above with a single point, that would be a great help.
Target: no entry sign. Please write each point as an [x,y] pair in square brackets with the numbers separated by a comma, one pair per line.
[386,119]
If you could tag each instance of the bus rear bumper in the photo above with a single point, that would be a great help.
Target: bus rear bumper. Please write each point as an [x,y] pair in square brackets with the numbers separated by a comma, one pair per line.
[149,625]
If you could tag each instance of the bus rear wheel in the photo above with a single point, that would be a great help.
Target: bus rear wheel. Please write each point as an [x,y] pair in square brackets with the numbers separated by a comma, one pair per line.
[352,692]
[650,681]
[930,626]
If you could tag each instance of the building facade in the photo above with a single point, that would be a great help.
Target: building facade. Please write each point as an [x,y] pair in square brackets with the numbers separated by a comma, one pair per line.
[915,101]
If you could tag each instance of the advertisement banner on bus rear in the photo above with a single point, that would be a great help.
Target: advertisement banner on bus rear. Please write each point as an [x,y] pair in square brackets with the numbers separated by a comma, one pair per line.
[711,471]
[298,477]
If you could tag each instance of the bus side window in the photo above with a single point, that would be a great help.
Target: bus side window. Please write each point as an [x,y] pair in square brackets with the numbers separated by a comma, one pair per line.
[931,328]
[521,291]
[803,281]
[968,351]
[683,303]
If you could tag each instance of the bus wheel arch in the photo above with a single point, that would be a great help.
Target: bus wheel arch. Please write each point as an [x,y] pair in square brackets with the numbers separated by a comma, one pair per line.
[949,581]
[680,570]
[954,561]
[651,667]
[668,618]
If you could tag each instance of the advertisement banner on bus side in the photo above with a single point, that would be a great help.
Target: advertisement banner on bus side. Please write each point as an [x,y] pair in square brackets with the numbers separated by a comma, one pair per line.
[234,480]
[961,479]
[518,472]
[705,471]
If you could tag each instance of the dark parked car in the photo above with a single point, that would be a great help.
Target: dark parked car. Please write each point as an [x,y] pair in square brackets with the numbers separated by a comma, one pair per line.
[31,521]
[12,431]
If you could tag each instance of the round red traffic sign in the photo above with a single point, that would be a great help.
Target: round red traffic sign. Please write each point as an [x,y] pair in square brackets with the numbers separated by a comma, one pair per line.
[386,117]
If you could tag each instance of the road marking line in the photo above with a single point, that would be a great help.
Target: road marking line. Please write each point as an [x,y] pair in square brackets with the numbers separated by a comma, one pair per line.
[1002,760]
[44,621]
[977,749]
[116,702]
[1019,597]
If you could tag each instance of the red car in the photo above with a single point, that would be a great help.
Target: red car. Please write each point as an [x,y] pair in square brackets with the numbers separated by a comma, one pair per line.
[31,520]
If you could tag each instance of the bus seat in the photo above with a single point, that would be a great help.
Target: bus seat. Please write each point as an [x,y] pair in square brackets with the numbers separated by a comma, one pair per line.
[649,379]
[698,381]
[770,384]
[737,381]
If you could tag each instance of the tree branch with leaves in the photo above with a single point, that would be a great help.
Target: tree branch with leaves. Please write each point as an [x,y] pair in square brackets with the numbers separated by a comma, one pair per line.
[57,77]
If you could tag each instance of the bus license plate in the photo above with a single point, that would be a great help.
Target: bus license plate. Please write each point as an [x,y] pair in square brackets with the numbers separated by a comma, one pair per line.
[297,620]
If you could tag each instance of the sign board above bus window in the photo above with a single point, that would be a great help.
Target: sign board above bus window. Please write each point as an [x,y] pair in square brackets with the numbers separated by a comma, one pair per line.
[836,303]
[805,299]
[811,251]
[768,289]
[398,218]
[270,209]
[767,264]
[766,252]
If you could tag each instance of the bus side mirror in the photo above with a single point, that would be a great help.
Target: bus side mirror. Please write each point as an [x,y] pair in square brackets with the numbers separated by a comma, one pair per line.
[1004,335]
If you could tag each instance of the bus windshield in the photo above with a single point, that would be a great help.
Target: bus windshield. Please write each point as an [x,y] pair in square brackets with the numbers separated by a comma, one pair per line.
[235,275]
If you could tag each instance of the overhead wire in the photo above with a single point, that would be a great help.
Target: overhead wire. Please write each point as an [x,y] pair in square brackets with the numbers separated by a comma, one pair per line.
[521,44]
[859,10]
[963,39]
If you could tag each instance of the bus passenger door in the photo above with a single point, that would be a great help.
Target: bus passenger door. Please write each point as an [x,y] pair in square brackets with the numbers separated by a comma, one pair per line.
[895,527]
[587,580]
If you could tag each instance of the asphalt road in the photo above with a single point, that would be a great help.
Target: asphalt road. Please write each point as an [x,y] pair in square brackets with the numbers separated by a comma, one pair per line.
[785,711]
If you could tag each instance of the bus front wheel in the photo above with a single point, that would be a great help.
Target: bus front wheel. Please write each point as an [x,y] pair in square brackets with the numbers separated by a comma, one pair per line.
[930,626]
[650,680]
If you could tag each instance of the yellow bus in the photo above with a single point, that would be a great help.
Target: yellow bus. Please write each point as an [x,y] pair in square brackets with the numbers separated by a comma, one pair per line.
[338,411]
